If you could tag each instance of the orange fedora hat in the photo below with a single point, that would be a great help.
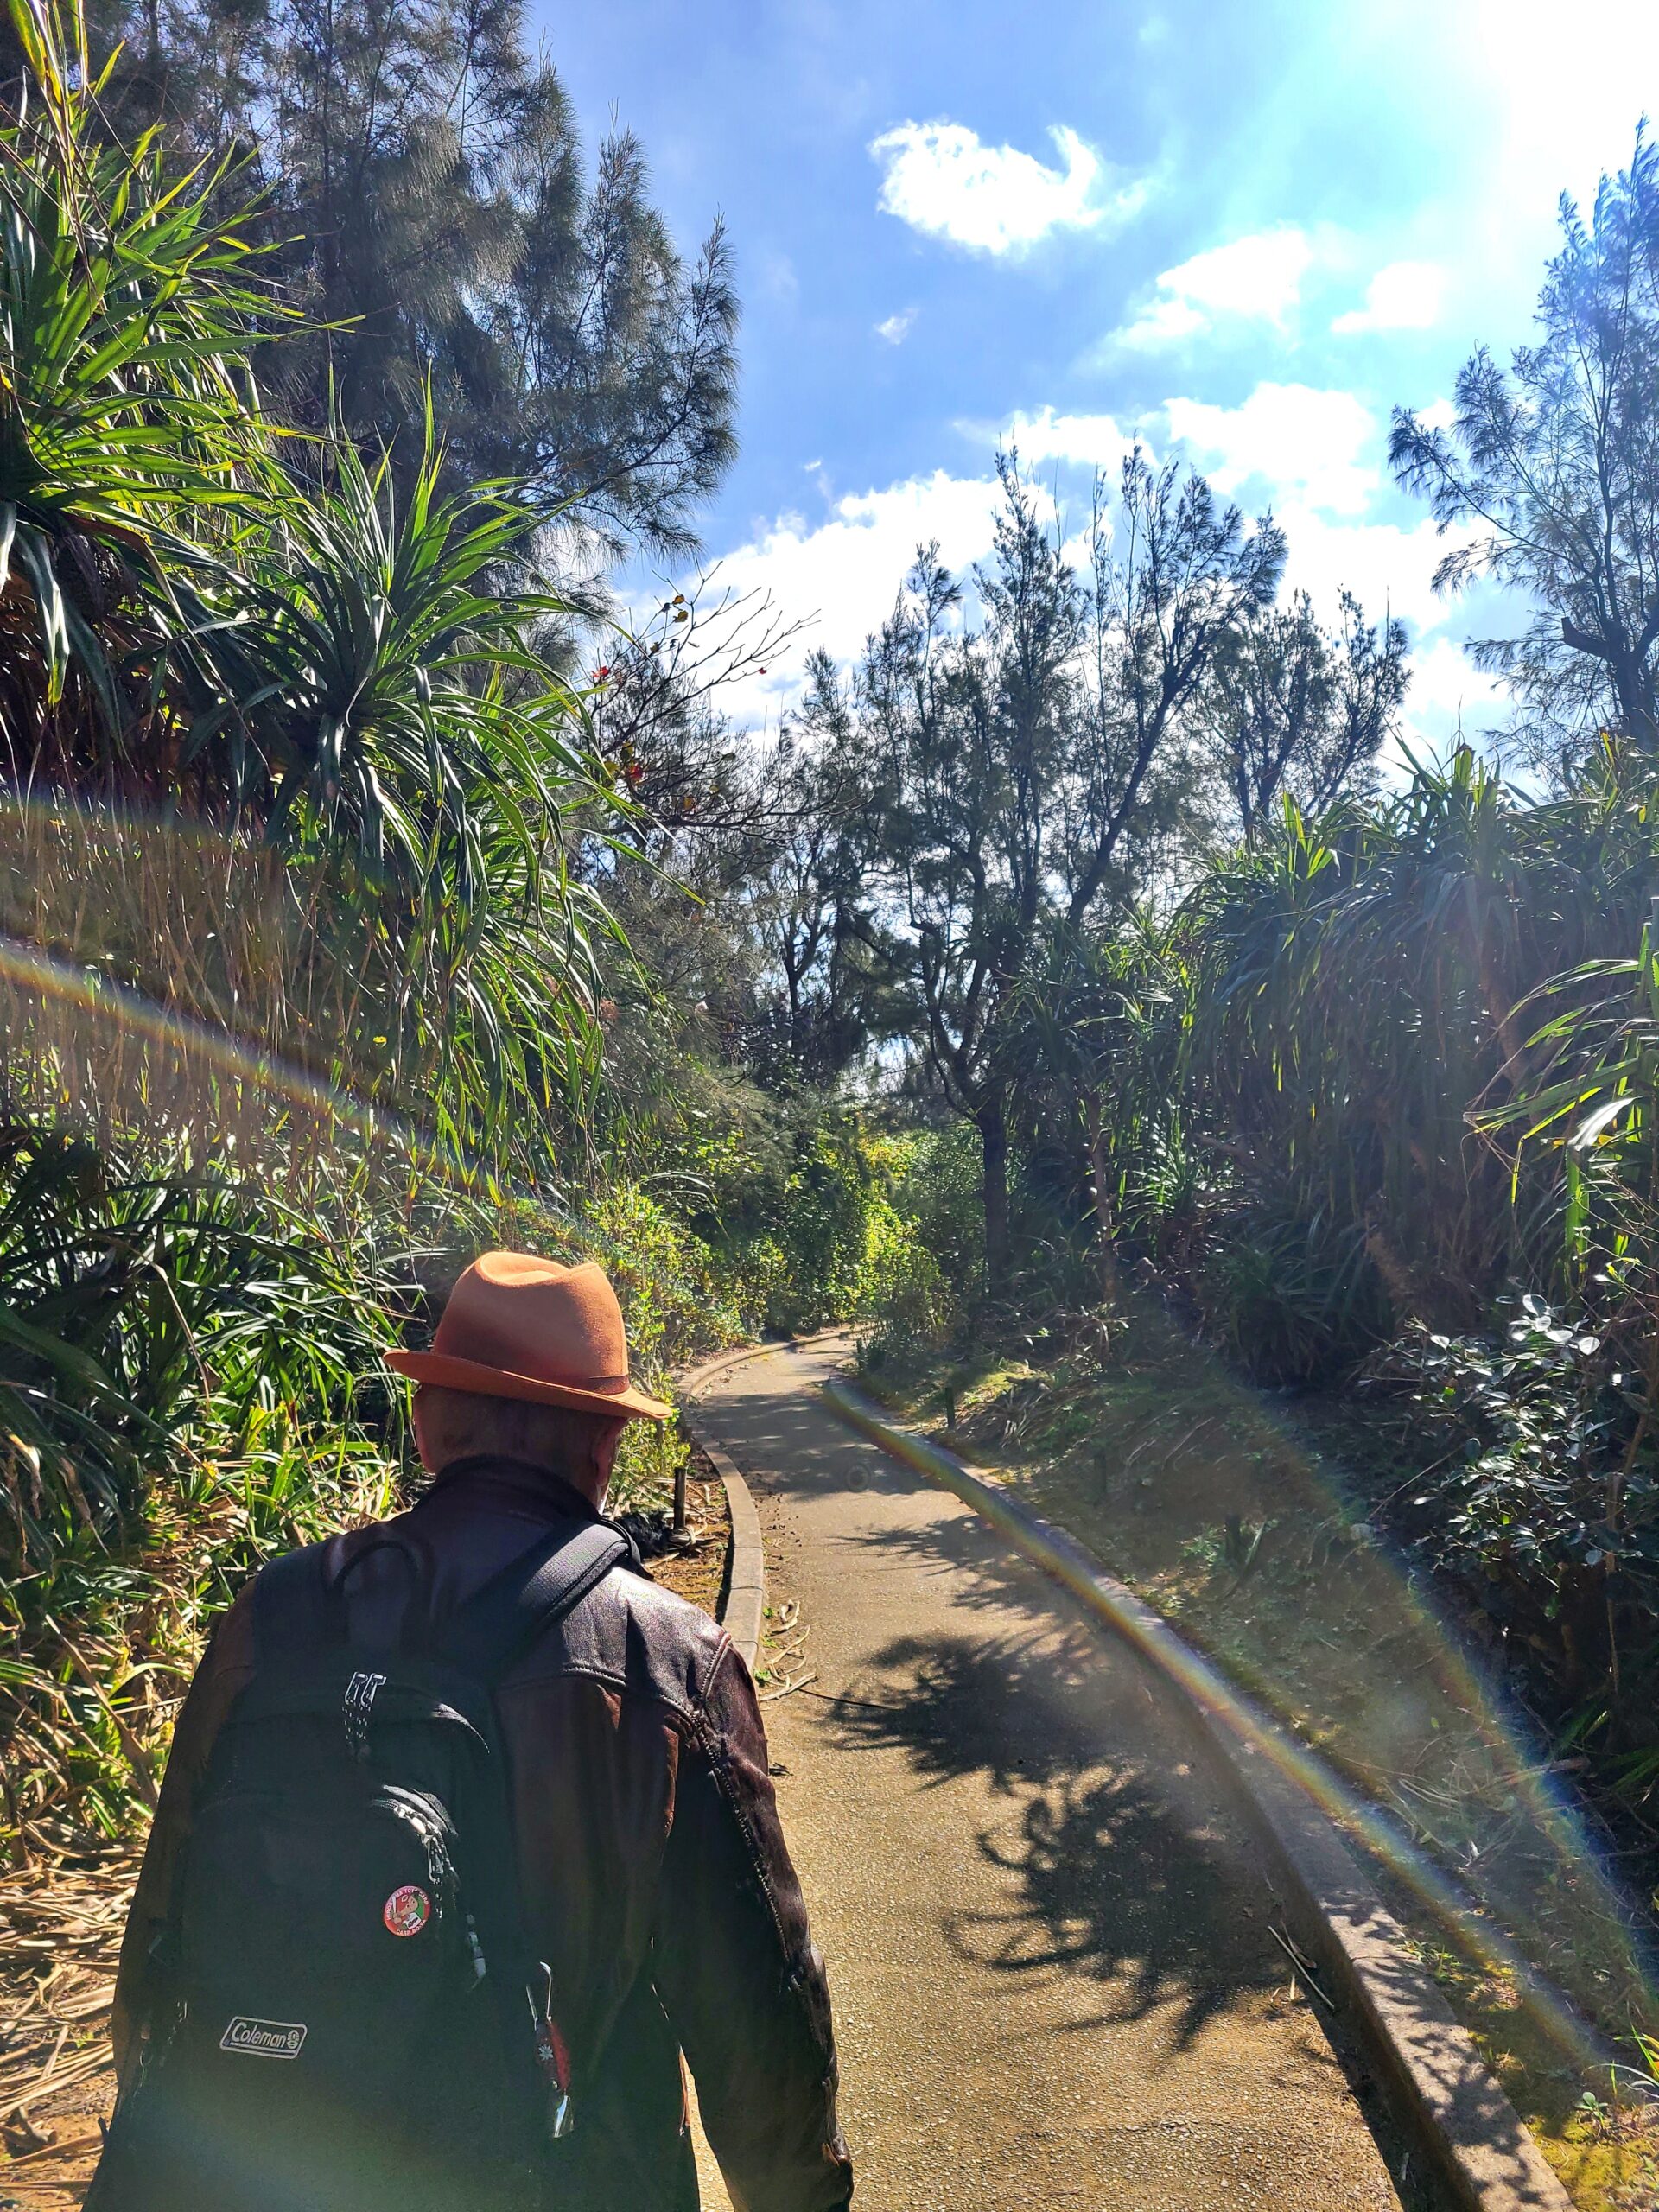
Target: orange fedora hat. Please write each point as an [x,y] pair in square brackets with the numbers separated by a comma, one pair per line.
[517,1327]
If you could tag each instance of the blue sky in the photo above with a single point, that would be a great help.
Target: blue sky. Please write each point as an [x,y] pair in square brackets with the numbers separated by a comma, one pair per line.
[1243,229]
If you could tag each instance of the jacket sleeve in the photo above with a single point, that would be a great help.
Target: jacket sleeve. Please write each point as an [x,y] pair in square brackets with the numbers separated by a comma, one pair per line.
[739,1975]
[226,1666]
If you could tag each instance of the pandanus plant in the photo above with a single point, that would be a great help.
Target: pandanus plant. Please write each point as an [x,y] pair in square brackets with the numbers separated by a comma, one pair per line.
[422,760]
[206,614]
[127,419]
[1102,1029]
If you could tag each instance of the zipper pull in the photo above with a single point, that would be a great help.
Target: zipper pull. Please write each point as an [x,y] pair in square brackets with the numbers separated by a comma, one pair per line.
[553,2057]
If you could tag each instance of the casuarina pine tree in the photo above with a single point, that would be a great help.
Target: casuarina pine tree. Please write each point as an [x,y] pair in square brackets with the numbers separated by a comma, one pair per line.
[424,186]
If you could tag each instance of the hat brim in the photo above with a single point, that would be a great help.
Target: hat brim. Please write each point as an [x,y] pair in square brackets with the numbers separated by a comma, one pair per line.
[451,1374]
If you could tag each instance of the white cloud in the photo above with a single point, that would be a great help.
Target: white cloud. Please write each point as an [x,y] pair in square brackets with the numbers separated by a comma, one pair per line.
[846,571]
[1317,458]
[1406,296]
[1389,567]
[941,179]
[1323,448]
[1446,685]
[896,328]
[1164,322]
[1087,441]
[1255,279]
[778,279]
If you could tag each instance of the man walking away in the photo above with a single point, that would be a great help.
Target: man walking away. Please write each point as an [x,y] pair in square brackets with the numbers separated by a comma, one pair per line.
[465,1835]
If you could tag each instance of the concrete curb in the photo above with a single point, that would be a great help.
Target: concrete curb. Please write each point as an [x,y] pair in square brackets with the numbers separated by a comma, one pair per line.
[745,1604]
[1453,2113]
[744,1607]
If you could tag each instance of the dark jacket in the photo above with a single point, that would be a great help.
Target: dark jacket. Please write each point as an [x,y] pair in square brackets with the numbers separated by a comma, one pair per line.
[655,1877]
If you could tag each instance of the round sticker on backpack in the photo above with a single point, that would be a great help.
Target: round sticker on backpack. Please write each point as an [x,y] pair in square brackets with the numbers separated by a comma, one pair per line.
[407,1911]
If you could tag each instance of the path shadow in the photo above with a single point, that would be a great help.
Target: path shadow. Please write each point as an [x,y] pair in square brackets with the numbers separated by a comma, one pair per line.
[1132,1872]
[992,1575]
[1133,1878]
[1112,1886]
[1125,1870]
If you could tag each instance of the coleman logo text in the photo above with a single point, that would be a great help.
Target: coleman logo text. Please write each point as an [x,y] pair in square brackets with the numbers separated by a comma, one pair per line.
[264,2038]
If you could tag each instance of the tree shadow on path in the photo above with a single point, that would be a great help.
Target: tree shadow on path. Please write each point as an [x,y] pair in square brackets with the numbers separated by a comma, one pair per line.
[1132,1878]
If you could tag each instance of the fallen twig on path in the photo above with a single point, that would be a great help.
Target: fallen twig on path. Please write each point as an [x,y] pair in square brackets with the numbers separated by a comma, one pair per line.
[1301,1965]
[788,1688]
[785,1623]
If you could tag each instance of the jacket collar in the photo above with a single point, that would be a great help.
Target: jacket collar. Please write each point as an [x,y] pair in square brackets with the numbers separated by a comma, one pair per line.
[538,1488]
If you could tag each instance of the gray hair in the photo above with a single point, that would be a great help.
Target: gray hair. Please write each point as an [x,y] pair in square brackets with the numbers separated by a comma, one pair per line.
[460,1424]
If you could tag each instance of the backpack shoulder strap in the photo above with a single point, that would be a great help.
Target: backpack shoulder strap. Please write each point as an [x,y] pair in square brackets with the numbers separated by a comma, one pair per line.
[483,1635]
[291,1604]
[299,1599]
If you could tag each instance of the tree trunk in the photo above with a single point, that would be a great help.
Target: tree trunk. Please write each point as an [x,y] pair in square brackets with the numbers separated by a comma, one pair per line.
[994,1142]
[1099,1181]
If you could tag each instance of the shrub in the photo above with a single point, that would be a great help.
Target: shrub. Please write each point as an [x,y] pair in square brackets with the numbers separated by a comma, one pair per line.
[1292,1301]
[193,1380]
[901,1286]
[1539,1497]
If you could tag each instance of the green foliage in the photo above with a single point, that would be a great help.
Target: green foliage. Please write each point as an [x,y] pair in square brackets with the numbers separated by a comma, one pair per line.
[1293,710]
[1540,1500]
[1268,1096]
[823,1228]
[192,1381]
[676,1301]
[791,1223]
[902,1286]
[1016,772]
[925,1263]
[1591,1100]
[138,1301]
[425,194]
[341,680]
[1549,474]
[1291,1300]
[125,304]
[293,1020]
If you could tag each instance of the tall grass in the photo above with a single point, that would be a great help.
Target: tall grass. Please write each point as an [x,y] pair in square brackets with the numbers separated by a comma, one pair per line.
[1355,1033]
[191,1376]
[1381,1102]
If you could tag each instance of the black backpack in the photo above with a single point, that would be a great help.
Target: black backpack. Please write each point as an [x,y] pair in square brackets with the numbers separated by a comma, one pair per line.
[343,2014]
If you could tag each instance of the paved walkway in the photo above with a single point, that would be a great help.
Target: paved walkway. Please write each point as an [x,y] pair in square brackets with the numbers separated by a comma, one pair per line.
[1049,1947]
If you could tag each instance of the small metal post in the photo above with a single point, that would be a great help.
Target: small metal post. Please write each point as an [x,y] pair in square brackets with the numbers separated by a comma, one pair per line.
[679,1487]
